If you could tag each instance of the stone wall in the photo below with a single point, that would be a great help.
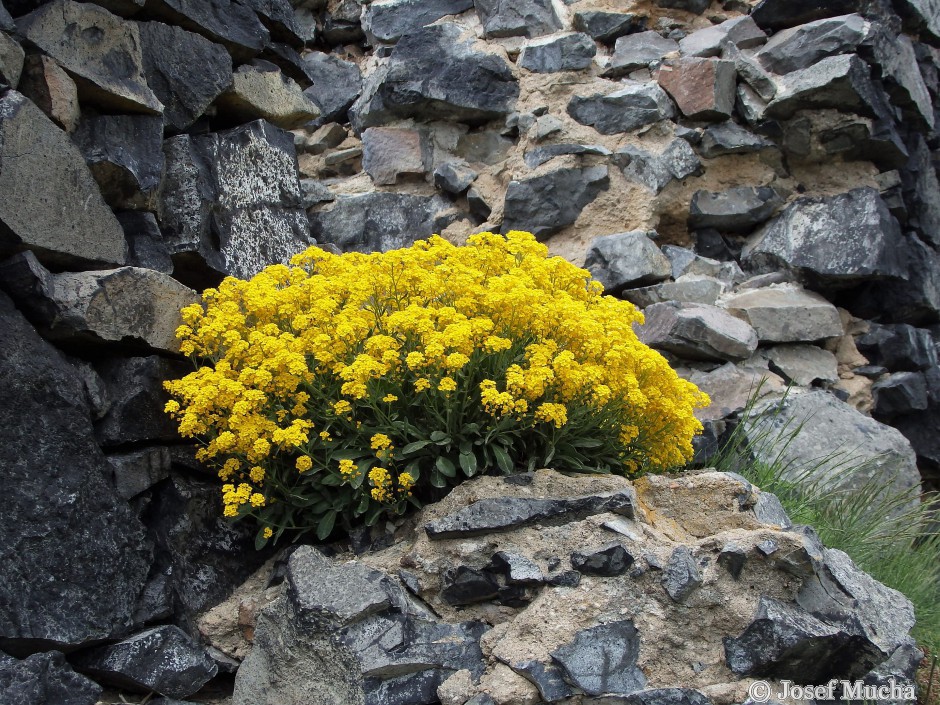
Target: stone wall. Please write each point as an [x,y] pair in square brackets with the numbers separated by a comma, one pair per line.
[760,177]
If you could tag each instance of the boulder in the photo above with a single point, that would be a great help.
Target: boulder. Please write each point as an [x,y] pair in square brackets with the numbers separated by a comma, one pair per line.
[607,562]
[626,260]
[703,89]
[689,288]
[146,248]
[514,18]
[898,347]
[186,88]
[259,91]
[656,171]
[839,82]
[730,138]
[786,314]
[761,82]
[803,364]
[631,107]
[232,24]
[566,52]
[922,16]
[279,18]
[160,659]
[735,210]
[63,521]
[390,153]
[336,84]
[695,6]
[921,183]
[803,46]
[137,471]
[545,204]
[638,51]
[454,177]
[697,332]
[607,27]
[40,166]
[780,14]
[50,87]
[731,387]
[388,20]
[602,660]
[899,393]
[42,679]
[741,32]
[89,42]
[913,299]
[682,576]
[11,60]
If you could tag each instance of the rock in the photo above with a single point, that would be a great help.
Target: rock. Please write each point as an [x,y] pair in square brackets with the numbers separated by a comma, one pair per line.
[656,171]
[803,364]
[279,19]
[606,27]
[231,24]
[731,138]
[731,387]
[88,42]
[899,393]
[130,306]
[802,47]
[506,513]
[921,15]
[336,84]
[146,248]
[786,314]
[626,260]
[698,332]
[433,74]
[485,147]
[377,222]
[915,298]
[389,153]
[547,677]
[629,108]
[263,92]
[666,696]
[42,679]
[454,177]
[11,60]
[685,262]
[735,210]
[761,83]
[689,288]
[49,86]
[682,575]
[703,89]
[388,20]
[6,21]
[315,193]
[922,186]
[545,204]
[899,347]
[139,470]
[741,32]
[325,137]
[186,88]
[516,568]
[464,586]
[341,23]
[605,562]
[638,51]
[840,82]
[780,14]
[602,660]
[538,156]
[733,558]
[75,531]
[567,52]
[514,18]
[125,155]
[841,239]
[80,231]
[162,659]
[696,6]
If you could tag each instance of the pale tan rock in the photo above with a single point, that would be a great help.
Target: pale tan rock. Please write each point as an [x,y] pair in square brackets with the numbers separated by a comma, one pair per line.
[268,94]
[859,390]
[457,689]
[50,87]
[507,687]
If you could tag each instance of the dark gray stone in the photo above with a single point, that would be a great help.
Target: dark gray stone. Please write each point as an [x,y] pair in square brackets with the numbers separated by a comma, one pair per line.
[602,660]
[280,20]
[454,177]
[12,58]
[186,88]
[733,558]
[629,108]
[730,138]
[736,210]
[419,688]
[605,562]
[682,576]
[900,393]
[139,470]
[696,6]
[6,21]
[839,82]
[740,32]
[767,547]
[145,241]
[567,578]
[757,78]
[780,14]
[607,27]
[841,239]
[666,696]
[656,171]
[538,156]
[44,679]
[388,21]
[478,205]
[480,699]
[922,430]
[568,52]
[913,299]
[516,568]
[921,185]
[162,659]
[697,332]
[496,514]
[547,677]
[802,47]
[545,204]
[225,22]
[315,193]
[769,510]
[336,85]
[464,585]
[894,54]
[513,18]
[626,260]
[921,16]
[62,519]
[637,51]
[899,347]
[341,22]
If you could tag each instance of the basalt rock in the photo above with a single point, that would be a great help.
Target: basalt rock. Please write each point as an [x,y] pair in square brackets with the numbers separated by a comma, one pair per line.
[232,24]
[697,331]
[626,260]
[510,18]
[336,84]
[388,21]
[569,52]
[44,678]
[629,108]
[545,204]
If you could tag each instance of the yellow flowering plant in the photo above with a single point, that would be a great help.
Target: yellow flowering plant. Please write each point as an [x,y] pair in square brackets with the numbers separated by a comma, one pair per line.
[346,387]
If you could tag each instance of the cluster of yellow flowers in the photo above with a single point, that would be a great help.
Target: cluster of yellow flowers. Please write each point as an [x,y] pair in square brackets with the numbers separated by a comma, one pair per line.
[305,369]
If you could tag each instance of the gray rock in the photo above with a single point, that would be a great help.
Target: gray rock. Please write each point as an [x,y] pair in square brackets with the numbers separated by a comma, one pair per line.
[922,430]
[741,32]
[735,210]
[513,18]
[377,222]
[49,86]
[454,177]
[685,261]
[665,696]
[162,659]
[626,260]
[631,107]
[232,24]
[260,91]
[125,155]
[697,332]
[39,165]
[731,138]
[390,153]
[603,660]
[689,288]
[341,22]
[733,558]
[786,314]
[899,347]
[607,562]
[42,679]
[336,84]
[656,171]
[186,88]
[89,42]
[696,6]
[139,470]
[900,393]
[682,576]
[638,51]
[497,514]
[769,510]
[545,204]
[567,52]
[75,531]
[840,82]
[279,19]
[802,47]
[731,387]
[606,27]
[388,20]
[12,57]
[145,244]
[780,14]
[464,585]
[704,89]
[538,156]
[846,238]
[923,16]
[484,147]
[516,568]
[315,193]
[547,677]
[6,21]
[921,183]
[803,364]
[751,72]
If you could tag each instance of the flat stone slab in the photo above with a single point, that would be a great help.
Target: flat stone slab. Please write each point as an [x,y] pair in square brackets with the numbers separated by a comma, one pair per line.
[786,314]
[602,660]
[698,332]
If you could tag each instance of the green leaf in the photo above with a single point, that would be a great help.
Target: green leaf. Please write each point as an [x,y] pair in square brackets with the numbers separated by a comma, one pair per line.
[325,526]
[438,480]
[440,437]
[363,505]
[502,459]
[446,466]
[414,469]
[468,463]
[415,446]
[587,443]
[260,540]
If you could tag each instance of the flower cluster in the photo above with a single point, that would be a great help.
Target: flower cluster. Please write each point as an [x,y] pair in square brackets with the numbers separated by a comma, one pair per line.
[345,387]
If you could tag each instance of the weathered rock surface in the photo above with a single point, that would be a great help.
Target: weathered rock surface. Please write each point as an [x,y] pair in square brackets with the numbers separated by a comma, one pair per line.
[740,32]
[569,52]
[803,364]
[626,260]
[629,108]
[545,204]
[840,82]
[735,210]
[42,679]
[697,332]
[803,46]
[731,138]
[232,24]
[786,314]
[389,153]
[336,84]
[260,91]
[49,86]
[702,88]
[689,288]
[656,171]
[638,51]
[510,18]
[607,27]
[730,388]
[388,20]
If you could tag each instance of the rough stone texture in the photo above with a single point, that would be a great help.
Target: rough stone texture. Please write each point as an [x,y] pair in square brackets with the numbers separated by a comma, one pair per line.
[900,393]
[731,387]
[336,84]
[232,24]
[786,314]
[62,519]
[690,288]
[39,167]
[186,88]
[454,177]
[568,52]
[803,364]
[388,20]
[735,210]
[49,86]
[162,659]
[545,204]
[731,138]
[844,238]
[607,27]
[605,562]
[42,679]
[922,15]
[656,171]
[629,108]
[602,660]
[898,347]
[139,470]
[511,18]
[261,91]
[88,42]
[780,14]
[145,244]
[802,47]
[389,153]
[702,88]
[698,332]
[681,576]
[638,51]
[741,32]
[11,60]
[626,260]
[840,82]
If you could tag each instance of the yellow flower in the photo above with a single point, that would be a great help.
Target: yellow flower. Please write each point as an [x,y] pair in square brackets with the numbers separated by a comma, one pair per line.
[257,500]
[303,463]
[342,407]
[389,398]
[325,436]
[447,384]
[380,442]
[267,533]
[256,474]
[348,469]
[422,383]
[406,481]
